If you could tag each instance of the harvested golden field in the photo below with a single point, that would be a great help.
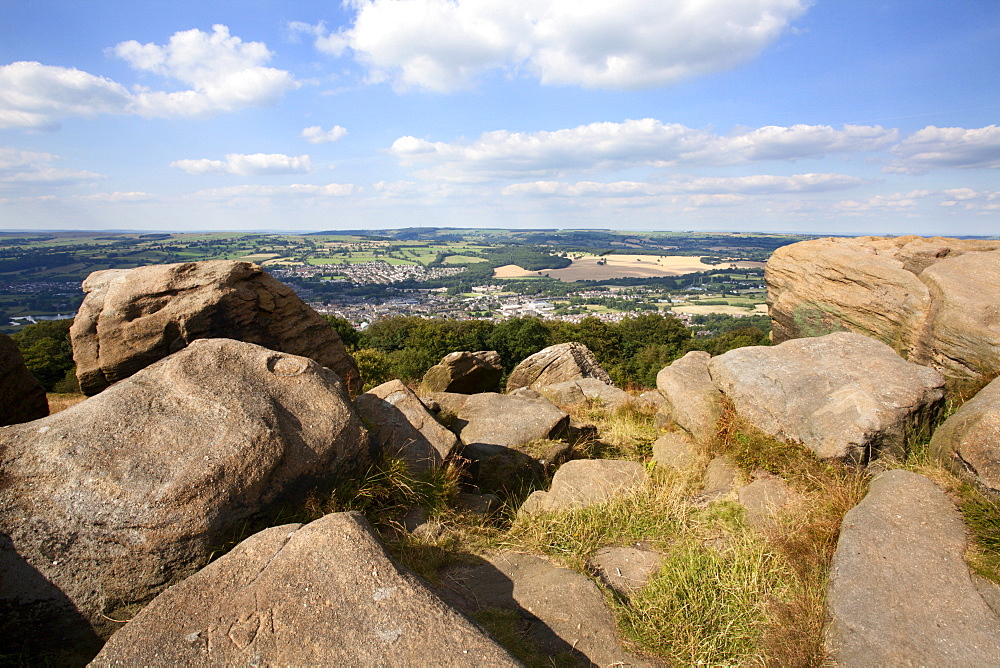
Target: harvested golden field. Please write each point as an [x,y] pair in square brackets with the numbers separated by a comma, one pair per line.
[594,268]
[760,309]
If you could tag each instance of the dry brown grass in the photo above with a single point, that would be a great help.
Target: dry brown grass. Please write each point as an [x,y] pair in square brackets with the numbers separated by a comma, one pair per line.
[60,402]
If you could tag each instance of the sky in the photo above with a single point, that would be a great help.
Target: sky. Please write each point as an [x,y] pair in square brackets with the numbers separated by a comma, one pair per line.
[809,116]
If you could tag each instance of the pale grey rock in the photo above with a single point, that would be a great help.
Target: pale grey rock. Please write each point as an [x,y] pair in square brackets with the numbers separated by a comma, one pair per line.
[132,317]
[22,397]
[326,593]
[464,372]
[844,396]
[115,498]
[564,612]
[585,482]
[675,450]
[900,592]
[969,440]
[625,569]
[404,428]
[555,364]
[764,498]
[574,392]
[692,401]
[510,420]
[719,481]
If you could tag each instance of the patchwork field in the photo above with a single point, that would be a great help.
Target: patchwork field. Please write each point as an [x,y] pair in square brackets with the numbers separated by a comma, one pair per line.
[759,309]
[595,268]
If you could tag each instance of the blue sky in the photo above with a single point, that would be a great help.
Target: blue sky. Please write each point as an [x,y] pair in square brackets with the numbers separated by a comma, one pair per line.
[828,117]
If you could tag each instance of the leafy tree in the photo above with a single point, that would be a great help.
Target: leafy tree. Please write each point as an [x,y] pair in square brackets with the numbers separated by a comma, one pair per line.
[345,330]
[48,354]
[518,338]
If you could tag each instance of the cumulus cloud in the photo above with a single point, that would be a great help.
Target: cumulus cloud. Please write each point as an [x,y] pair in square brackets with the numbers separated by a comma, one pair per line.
[891,202]
[934,148]
[222,74]
[444,45]
[255,164]
[296,190]
[317,135]
[650,142]
[116,197]
[741,185]
[31,168]
[967,199]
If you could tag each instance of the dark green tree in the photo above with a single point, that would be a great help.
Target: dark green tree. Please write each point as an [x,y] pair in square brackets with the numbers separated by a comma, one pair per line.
[48,354]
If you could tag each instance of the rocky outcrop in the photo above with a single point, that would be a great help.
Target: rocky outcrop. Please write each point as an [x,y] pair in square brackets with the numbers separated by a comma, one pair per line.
[465,373]
[132,317]
[625,569]
[574,392]
[118,496]
[900,592]
[931,299]
[675,450]
[844,395]
[763,498]
[510,420]
[22,398]
[502,470]
[692,401]
[555,364]
[326,593]
[587,482]
[969,441]
[563,612]
[404,428]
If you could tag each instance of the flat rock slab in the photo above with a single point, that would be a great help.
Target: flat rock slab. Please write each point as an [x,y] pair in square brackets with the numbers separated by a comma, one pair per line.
[969,440]
[565,612]
[555,364]
[326,593]
[691,400]
[574,392]
[115,498]
[719,480]
[844,396]
[22,398]
[764,498]
[497,469]
[510,420]
[132,317]
[586,482]
[900,592]
[675,450]
[404,428]
[625,569]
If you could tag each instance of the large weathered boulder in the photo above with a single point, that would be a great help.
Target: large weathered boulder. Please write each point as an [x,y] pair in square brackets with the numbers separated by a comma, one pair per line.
[693,402]
[586,482]
[510,420]
[132,317]
[502,470]
[118,496]
[555,364]
[465,373]
[574,392]
[22,397]
[844,396]
[900,593]
[404,428]
[563,612]
[326,593]
[931,299]
[969,440]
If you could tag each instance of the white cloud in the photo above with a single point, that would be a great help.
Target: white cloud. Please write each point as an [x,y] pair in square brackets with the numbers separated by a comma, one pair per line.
[741,185]
[255,164]
[934,148]
[891,202]
[116,197]
[29,168]
[972,200]
[222,72]
[33,95]
[443,45]
[503,154]
[296,190]
[316,135]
